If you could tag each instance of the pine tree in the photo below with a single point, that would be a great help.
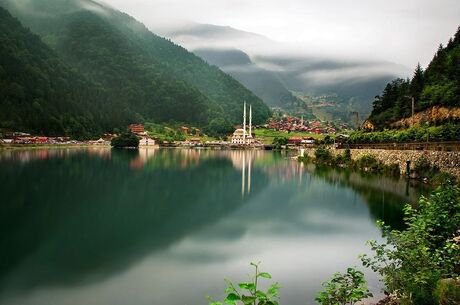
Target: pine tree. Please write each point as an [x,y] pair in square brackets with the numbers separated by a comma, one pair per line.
[417,83]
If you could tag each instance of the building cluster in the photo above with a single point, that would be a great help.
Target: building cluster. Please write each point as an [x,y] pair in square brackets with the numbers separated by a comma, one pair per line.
[304,141]
[290,123]
[144,138]
[26,138]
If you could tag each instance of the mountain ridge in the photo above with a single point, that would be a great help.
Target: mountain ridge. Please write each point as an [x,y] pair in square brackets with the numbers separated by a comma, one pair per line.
[146,76]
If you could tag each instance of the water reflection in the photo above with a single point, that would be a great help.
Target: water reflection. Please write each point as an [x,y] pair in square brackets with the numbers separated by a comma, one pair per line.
[96,226]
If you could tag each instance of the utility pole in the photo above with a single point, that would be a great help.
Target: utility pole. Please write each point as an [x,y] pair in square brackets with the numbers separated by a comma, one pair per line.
[413,110]
[412,99]
[356,114]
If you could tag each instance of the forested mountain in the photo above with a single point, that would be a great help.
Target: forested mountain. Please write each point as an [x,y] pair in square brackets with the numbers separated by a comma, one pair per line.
[145,77]
[438,85]
[263,83]
[38,92]
[353,82]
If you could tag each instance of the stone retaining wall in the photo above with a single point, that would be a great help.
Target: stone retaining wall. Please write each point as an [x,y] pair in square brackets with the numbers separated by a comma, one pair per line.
[447,161]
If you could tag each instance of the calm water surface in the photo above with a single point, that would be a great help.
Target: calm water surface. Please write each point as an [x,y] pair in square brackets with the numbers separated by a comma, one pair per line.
[165,227]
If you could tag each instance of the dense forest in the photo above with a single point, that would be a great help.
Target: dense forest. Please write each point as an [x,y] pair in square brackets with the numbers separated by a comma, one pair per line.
[439,84]
[38,92]
[139,76]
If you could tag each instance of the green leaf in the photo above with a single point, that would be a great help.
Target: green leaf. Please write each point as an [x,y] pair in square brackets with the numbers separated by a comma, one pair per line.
[247,300]
[261,294]
[232,298]
[265,275]
[248,286]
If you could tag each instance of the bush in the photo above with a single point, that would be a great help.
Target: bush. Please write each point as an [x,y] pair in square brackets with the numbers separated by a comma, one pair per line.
[346,288]
[412,262]
[423,168]
[367,162]
[278,142]
[323,155]
[127,139]
[448,292]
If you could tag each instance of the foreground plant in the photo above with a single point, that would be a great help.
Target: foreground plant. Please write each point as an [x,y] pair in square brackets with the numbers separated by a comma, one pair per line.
[412,262]
[249,293]
[344,288]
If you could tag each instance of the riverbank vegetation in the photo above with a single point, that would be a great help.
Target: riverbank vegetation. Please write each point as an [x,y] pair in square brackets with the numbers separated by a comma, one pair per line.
[366,163]
[446,132]
[267,136]
[422,168]
[415,263]
[419,265]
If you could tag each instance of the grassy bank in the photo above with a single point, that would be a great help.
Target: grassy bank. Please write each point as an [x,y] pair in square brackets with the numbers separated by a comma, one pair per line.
[268,135]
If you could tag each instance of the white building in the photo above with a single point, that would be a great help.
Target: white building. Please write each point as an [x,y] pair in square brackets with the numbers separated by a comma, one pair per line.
[146,141]
[241,136]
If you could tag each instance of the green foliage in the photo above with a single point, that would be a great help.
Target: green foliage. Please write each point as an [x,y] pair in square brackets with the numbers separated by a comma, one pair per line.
[439,84]
[411,262]
[424,168]
[448,292]
[218,128]
[323,156]
[120,73]
[278,142]
[344,288]
[126,139]
[446,132]
[367,161]
[40,94]
[248,293]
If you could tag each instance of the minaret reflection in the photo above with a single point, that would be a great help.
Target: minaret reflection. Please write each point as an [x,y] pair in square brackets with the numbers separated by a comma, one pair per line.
[243,178]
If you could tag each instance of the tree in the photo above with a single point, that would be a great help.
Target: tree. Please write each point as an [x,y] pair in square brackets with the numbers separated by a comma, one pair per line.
[417,82]
[219,127]
[126,139]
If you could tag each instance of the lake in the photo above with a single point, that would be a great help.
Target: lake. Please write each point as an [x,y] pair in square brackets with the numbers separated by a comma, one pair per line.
[166,226]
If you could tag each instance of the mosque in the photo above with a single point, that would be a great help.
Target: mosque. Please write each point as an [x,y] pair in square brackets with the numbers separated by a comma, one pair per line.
[241,136]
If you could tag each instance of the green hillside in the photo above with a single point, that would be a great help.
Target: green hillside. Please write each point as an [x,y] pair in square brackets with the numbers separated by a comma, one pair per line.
[146,77]
[438,85]
[38,92]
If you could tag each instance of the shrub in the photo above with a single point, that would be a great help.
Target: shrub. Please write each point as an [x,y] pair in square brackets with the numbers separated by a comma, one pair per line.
[448,292]
[412,262]
[423,168]
[323,155]
[367,162]
[278,142]
[248,293]
[126,139]
[346,288]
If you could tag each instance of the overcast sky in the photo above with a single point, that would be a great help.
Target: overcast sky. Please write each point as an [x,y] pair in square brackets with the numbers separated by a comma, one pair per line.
[400,31]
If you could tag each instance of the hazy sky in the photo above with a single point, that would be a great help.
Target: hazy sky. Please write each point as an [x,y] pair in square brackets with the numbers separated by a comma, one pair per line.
[400,31]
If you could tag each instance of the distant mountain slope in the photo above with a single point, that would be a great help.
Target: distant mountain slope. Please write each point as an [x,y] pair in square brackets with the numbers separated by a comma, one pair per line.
[438,85]
[355,82]
[265,84]
[38,93]
[148,77]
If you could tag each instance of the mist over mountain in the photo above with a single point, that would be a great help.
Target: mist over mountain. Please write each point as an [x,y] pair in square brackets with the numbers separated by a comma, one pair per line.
[264,83]
[146,77]
[355,82]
